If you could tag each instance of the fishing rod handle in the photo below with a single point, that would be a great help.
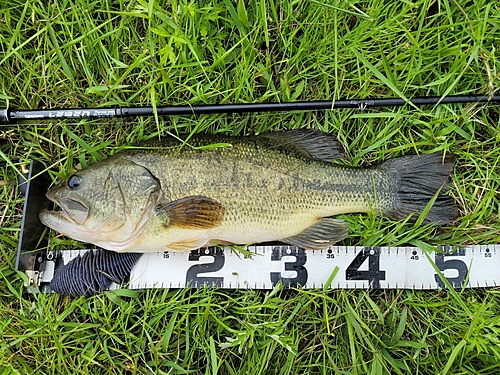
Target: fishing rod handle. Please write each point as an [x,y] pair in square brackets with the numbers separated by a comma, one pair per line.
[8,116]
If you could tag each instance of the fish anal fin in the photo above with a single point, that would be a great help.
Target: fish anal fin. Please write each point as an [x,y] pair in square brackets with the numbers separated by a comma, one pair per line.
[311,143]
[319,236]
[193,212]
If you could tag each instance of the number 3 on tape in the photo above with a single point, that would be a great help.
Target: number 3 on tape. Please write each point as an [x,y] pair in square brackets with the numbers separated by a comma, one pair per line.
[300,255]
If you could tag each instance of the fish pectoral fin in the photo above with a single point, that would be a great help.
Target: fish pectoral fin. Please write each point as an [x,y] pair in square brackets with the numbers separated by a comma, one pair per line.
[194,212]
[321,235]
[311,143]
[186,245]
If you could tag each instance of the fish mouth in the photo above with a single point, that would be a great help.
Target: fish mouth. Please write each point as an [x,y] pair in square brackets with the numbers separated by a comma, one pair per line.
[71,211]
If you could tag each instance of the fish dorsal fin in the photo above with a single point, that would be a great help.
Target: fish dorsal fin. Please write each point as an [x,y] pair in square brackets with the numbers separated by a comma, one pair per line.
[311,143]
[321,235]
[193,212]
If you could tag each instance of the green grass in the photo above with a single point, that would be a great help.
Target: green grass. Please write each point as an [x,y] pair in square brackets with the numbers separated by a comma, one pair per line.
[73,53]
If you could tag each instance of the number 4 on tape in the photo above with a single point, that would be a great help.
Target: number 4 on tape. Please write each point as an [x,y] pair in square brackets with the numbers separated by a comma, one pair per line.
[373,275]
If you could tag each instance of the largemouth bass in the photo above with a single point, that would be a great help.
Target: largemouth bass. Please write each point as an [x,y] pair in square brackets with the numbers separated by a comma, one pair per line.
[270,187]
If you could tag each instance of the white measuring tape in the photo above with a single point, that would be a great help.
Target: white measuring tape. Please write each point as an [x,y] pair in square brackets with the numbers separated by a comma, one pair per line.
[338,267]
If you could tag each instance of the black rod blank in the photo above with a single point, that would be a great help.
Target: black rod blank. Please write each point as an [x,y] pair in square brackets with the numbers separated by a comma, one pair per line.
[11,116]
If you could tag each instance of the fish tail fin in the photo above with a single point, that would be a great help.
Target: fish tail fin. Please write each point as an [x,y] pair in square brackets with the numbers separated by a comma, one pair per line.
[418,179]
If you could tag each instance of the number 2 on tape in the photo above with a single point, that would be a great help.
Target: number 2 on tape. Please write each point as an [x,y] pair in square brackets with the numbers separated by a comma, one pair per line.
[193,279]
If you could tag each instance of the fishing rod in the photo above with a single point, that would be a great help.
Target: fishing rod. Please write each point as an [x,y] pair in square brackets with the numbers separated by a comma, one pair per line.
[11,116]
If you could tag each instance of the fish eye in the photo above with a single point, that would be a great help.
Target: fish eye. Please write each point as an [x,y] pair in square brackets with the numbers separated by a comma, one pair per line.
[74,181]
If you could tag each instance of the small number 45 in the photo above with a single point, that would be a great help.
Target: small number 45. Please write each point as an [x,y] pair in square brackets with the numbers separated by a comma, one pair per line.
[414,257]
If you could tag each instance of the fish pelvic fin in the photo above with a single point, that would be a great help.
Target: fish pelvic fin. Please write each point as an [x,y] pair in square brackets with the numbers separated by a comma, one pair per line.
[311,143]
[187,244]
[419,179]
[321,235]
[193,212]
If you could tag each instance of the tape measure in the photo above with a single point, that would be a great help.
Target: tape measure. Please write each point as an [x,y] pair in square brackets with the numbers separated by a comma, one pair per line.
[337,267]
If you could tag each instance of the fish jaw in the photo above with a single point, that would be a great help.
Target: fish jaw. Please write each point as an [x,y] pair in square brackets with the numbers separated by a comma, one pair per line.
[61,222]
[69,220]
[116,239]
[115,233]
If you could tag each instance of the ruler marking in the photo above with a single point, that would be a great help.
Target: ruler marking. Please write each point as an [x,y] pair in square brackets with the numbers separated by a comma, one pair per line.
[377,267]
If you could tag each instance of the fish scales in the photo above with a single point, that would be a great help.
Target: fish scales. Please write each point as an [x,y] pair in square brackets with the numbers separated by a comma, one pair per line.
[257,182]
